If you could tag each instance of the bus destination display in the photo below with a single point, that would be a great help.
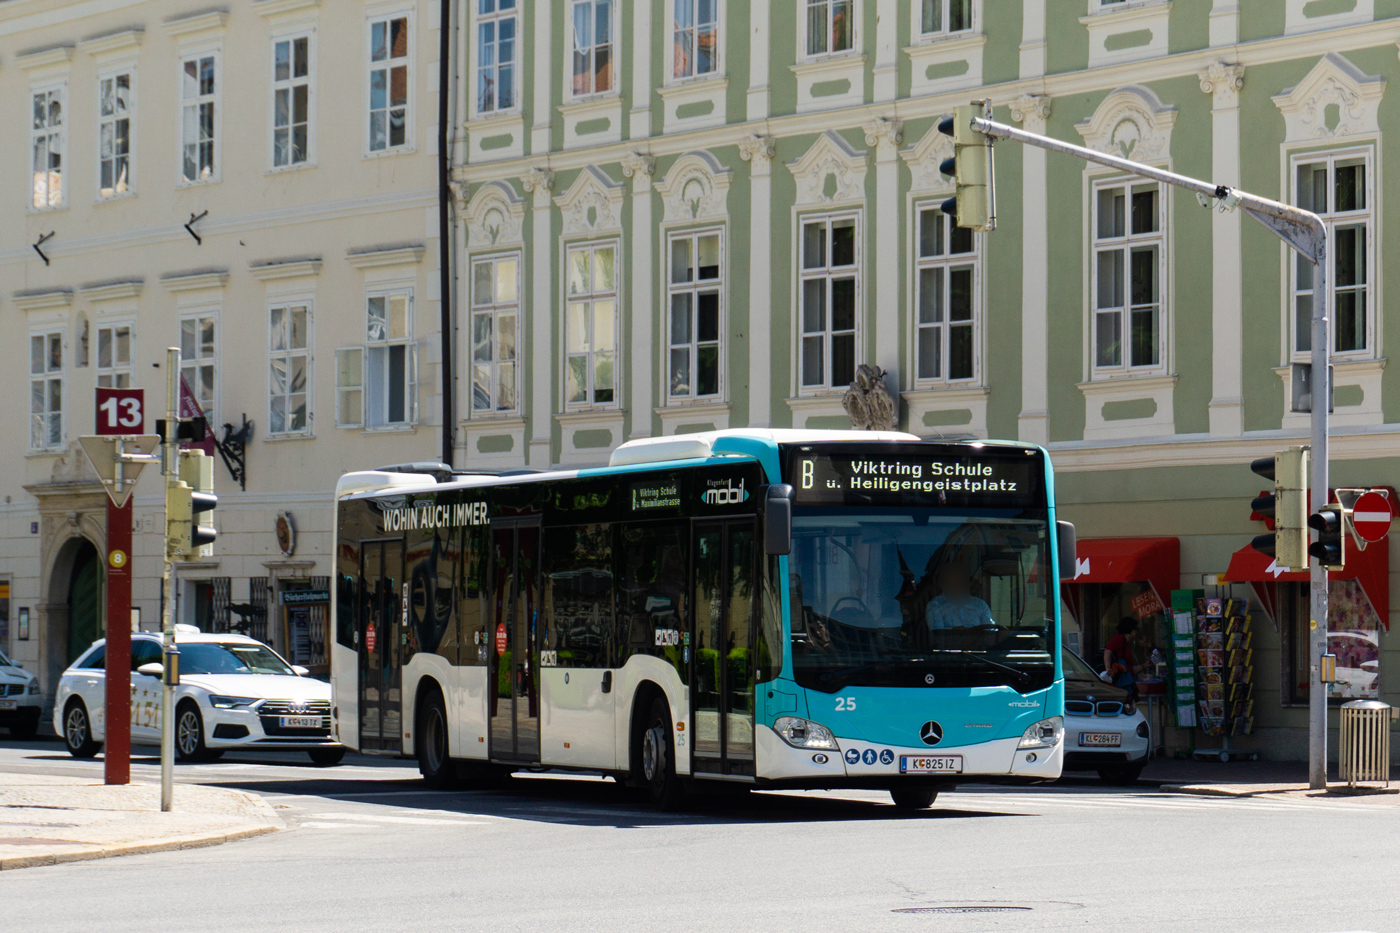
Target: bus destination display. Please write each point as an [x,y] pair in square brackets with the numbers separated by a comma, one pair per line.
[915,478]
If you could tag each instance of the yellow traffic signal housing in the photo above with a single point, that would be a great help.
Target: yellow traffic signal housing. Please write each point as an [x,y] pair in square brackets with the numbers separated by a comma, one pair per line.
[186,499]
[1287,506]
[973,206]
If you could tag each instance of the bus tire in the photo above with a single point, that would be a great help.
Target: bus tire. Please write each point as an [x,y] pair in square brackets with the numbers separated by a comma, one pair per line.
[434,762]
[658,758]
[913,798]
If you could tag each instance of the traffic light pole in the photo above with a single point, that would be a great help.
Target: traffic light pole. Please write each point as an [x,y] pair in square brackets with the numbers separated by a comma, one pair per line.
[1305,232]
[171,469]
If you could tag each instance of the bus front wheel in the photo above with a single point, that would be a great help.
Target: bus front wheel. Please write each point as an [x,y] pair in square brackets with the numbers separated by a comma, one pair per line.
[914,798]
[659,758]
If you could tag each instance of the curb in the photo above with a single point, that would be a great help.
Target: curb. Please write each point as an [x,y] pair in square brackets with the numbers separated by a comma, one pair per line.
[135,848]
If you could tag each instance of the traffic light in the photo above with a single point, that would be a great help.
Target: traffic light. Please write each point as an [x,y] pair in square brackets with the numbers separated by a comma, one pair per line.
[970,167]
[1287,506]
[186,539]
[1330,548]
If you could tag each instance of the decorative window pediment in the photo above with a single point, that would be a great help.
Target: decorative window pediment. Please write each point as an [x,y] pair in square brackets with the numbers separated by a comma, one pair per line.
[593,203]
[494,217]
[695,189]
[923,159]
[831,172]
[1132,122]
[1335,101]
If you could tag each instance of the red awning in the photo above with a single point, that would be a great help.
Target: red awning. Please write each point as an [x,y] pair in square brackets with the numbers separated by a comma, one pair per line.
[1370,568]
[1130,560]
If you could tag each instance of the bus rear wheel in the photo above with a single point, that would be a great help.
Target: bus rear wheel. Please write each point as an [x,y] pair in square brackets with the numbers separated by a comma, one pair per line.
[433,761]
[658,753]
[914,798]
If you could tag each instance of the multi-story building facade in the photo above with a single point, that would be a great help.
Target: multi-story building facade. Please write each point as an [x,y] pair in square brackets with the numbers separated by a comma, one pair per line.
[256,183]
[678,215]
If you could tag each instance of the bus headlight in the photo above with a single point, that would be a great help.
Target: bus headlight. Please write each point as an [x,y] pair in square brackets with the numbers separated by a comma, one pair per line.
[1044,734]
[801,733]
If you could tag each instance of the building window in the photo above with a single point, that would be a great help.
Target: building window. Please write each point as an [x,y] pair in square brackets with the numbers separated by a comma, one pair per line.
[495,65]
[593,47]
[290,359]
[591,328]
[946,302]
[116,105]
[350,387]
[944,17]
[830,298]
[291,101]
[695,38]
[830,26]
[495,332]
[389,365]
[45,391]
[114,356]
[388,83]
[1128,252]
[1353,635]
[1337,189]
[695,286]
[48,145]
[197,360]
[198,127]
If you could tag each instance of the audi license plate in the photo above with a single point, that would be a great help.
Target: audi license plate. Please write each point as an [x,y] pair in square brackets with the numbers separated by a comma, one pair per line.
[8,704]
[932,764]
[301,722]
[1101,739]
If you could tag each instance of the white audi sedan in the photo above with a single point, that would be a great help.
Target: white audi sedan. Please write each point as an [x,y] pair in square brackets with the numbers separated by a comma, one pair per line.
[235,693]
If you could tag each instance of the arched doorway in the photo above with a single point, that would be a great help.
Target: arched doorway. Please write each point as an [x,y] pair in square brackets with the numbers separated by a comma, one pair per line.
[84,600]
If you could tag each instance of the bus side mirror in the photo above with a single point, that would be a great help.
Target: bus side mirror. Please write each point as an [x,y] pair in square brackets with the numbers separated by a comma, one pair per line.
[1066,545]
[777,525]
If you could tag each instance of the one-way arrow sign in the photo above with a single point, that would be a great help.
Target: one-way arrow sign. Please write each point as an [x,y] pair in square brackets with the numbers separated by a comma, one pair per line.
[118,461]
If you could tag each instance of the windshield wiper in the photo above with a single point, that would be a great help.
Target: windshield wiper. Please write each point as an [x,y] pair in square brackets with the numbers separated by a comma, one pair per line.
[1022,675]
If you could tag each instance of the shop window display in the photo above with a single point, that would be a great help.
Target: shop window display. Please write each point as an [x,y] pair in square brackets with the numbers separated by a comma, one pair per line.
[1104,606]
[1353,636]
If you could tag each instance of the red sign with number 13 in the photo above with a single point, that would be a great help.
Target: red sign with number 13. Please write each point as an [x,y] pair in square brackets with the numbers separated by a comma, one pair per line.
[121,411]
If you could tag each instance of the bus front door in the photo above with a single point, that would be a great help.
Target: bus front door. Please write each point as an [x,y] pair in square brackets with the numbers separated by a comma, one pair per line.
[381,645]
[514,649]
[722,689]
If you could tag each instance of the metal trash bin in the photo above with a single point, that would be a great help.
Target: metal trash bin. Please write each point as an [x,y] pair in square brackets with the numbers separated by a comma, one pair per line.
[1364,753]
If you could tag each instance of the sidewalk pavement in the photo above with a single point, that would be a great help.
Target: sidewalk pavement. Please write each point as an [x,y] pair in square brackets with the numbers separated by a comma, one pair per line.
[45,820]
[1286,779]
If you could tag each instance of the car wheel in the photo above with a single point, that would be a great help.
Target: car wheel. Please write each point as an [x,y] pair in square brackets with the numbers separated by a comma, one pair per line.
[26,728]
[325,757]
[659,758]
[189,734]
[434,762]
[913,798]
[1125,775]
[77,731]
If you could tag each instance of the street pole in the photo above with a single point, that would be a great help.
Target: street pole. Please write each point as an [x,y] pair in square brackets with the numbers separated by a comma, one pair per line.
[171,468]
[116,762]
[1317,573]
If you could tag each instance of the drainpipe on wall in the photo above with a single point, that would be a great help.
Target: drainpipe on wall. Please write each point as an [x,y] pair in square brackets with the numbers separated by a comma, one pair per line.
[446,253]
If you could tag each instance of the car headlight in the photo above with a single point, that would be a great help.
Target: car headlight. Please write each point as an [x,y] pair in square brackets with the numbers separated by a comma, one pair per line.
[34,688]
[1044,734]
[801,733]
[1129,707]
[223,702]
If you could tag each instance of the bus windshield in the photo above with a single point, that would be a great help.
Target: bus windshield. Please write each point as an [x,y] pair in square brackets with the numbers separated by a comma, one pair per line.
[918,597]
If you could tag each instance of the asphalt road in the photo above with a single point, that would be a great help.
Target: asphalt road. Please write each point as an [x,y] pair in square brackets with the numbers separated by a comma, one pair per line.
[371,849]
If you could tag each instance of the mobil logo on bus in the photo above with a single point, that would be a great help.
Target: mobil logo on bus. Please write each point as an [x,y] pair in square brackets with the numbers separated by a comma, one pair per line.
[724,492]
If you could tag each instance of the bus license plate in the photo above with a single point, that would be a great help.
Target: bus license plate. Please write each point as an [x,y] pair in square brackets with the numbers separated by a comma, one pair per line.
[8,704]
[1101,739]
[940,764]
[301,722]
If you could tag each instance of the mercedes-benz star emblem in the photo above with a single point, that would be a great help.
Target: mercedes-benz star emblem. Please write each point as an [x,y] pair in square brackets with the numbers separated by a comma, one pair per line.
[928,678]
[931,733]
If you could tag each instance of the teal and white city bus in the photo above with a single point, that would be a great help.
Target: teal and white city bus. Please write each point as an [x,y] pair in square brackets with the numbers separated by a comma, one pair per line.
[771,608]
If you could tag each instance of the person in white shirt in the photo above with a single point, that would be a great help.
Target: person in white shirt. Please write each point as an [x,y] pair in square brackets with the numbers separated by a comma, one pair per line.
[955,606]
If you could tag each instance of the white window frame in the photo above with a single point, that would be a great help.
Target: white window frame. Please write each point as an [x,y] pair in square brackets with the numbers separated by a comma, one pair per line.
[590,298]
[494,18]
[492,311]
[45,201]
[116,374]
[944,264]
[103,120]
[376,410]
[943,30]
[694,287]
[216,99]
[1161,240]
[613,45]
[1332,219]
[350,364]
[288,354]
[672,7]
[46,377]
[387,65]
[804,53]
[829,273]
[289,86]
[192,365]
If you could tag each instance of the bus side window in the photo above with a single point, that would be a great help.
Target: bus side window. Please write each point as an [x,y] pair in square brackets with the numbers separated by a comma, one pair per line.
[579,595]
[651,592]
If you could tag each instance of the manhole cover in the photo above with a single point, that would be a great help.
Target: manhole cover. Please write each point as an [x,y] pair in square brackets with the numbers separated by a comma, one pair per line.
[962,909]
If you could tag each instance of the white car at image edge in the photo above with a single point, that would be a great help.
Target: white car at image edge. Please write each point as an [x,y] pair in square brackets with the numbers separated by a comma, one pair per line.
[20,700]
[234,693]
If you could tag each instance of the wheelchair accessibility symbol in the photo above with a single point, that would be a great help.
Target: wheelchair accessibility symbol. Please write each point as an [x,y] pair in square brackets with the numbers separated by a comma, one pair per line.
[886,756]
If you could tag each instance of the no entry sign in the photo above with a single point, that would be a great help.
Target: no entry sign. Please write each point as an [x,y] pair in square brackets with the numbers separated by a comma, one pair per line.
[1370,516]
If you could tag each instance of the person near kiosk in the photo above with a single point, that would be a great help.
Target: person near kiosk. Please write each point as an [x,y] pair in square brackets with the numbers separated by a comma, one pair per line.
[1119,665]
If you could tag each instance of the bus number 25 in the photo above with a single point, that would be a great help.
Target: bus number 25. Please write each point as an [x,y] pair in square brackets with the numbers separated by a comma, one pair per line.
[845,704]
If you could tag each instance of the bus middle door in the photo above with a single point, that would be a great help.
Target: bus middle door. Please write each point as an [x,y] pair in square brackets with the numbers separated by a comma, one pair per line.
[381,646]
[722,692]
[514,695]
